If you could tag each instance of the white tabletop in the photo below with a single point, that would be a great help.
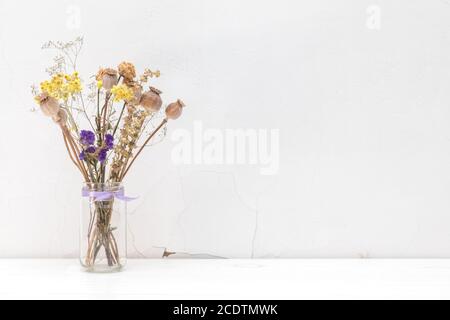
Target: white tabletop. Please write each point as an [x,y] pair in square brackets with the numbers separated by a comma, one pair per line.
[229,279]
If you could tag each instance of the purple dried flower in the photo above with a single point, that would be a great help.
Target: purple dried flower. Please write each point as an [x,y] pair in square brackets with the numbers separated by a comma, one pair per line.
[102,155]
[85,153]
[109,138]
[109,141]
[87,138]
[91,150]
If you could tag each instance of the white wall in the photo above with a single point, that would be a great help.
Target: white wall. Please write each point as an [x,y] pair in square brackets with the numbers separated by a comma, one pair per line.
[362,105]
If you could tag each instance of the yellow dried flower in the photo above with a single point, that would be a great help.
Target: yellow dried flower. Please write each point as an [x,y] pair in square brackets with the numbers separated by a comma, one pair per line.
[99,84]
[137,92]
[122,93]
[62,86]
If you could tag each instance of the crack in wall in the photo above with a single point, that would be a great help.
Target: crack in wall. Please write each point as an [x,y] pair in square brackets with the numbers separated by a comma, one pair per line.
[257,218]
[255,210]
[255,234]
[181,214]
[130,229]
[133,242]
[239,198]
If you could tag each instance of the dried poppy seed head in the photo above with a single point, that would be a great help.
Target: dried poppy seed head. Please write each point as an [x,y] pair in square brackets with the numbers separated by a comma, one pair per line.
[175,110]
[108,77]
[49,105]
[151,100]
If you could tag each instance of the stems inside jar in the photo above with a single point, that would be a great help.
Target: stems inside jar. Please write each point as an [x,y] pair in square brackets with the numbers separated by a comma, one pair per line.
[100,235]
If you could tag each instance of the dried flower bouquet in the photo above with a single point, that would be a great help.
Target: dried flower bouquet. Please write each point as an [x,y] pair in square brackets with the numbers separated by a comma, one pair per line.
[105,126]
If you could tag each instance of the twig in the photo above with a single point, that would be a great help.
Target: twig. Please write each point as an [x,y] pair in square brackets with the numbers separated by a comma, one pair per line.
[120,118]
[85,113]
[70,153]
[76,151]
[98,106]
[104,113]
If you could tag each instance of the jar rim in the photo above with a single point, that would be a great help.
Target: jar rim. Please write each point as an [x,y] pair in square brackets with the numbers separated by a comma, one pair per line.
[95,186]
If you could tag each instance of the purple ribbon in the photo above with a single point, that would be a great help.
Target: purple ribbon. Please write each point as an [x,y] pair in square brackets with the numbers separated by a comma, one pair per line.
[106,195]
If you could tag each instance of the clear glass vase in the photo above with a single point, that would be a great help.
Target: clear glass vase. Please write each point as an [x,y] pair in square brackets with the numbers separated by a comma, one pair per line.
[103,232]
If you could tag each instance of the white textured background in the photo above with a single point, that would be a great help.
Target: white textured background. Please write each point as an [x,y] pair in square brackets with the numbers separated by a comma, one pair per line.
[363,115]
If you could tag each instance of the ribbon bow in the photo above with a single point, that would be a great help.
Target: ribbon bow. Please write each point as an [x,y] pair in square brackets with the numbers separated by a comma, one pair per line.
[106,195]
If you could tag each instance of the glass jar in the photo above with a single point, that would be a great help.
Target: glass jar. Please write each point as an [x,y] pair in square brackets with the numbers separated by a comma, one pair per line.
[103,232]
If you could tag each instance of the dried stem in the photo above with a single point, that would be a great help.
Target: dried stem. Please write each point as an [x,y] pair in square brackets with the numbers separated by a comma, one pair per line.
[85,113]
[142,148]
[120,118]
[104,113]
[74,150]
[70,153]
